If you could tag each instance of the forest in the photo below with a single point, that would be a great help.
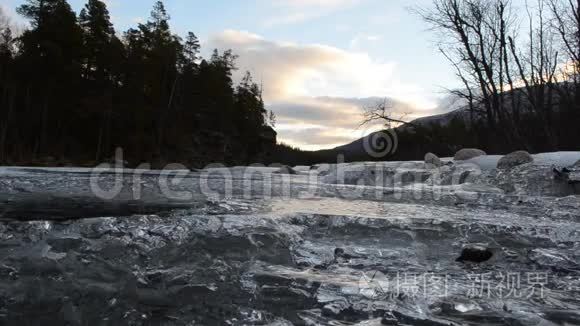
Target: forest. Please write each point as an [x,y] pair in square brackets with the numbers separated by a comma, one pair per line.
[72,90]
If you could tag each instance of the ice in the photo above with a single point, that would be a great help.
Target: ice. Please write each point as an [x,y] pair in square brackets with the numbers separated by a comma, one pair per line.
[324,247]
[379,173]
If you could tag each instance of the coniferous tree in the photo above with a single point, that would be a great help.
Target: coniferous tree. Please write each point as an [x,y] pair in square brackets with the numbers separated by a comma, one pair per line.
[250,112]
[99,36]
[7,89]
[191,48]
[51,54]
[71,89]
[102,54]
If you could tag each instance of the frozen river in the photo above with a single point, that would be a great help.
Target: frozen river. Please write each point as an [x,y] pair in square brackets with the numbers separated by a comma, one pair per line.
[348,244]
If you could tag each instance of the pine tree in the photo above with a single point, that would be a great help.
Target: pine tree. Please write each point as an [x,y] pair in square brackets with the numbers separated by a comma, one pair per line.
[98,37]
[37,11]
[191,48]
[55,33]
[51,54]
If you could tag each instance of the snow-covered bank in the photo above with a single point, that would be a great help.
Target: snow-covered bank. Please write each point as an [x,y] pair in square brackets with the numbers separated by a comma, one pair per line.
[535,178]
[556,159]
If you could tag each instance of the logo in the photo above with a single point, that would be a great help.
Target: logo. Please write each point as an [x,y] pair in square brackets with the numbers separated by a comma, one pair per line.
[381,143]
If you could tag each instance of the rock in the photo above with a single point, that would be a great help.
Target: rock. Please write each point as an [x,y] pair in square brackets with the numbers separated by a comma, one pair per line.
[286,170]
[268,136]
[574,177]
[468,153]
[433,160]
[560,175]
[475,254]
[321,169]
[514,159]
[343,311]
[63,245]
[341,253]
[389,319]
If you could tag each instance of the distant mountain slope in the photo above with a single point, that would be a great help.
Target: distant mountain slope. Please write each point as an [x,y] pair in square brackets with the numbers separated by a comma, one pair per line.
[357,147]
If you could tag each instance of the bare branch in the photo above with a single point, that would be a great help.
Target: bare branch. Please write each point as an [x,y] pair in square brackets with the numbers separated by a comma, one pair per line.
[383,112]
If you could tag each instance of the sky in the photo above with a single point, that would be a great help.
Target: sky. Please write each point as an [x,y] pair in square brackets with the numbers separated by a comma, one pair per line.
[320,61]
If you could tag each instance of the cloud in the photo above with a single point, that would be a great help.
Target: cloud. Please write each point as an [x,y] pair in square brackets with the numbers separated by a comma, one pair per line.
[290,70]
[296,11]
[360,39]
[317,91]
[327,122]
[331,111]
[316,3]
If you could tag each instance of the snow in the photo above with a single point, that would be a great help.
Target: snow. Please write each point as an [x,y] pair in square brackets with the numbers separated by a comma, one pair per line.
[486,162]
[560,159]
[19,170]
[302,168]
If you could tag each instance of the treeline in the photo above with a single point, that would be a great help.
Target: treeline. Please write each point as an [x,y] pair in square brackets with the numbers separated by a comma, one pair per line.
[520,70]
[72,89]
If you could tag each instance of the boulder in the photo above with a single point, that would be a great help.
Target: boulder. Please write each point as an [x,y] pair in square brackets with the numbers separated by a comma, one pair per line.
[286,170]
[475,254]
[389,319]
[468,153]
[514,159]
[576,165]
[433,160]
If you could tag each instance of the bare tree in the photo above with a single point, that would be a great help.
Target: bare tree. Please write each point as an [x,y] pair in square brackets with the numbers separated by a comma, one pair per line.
[502,76]
[566,24]
[473,40]
[537,62]
[383,111]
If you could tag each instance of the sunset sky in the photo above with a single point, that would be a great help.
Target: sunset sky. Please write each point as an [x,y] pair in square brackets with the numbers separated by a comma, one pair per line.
[320,61]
